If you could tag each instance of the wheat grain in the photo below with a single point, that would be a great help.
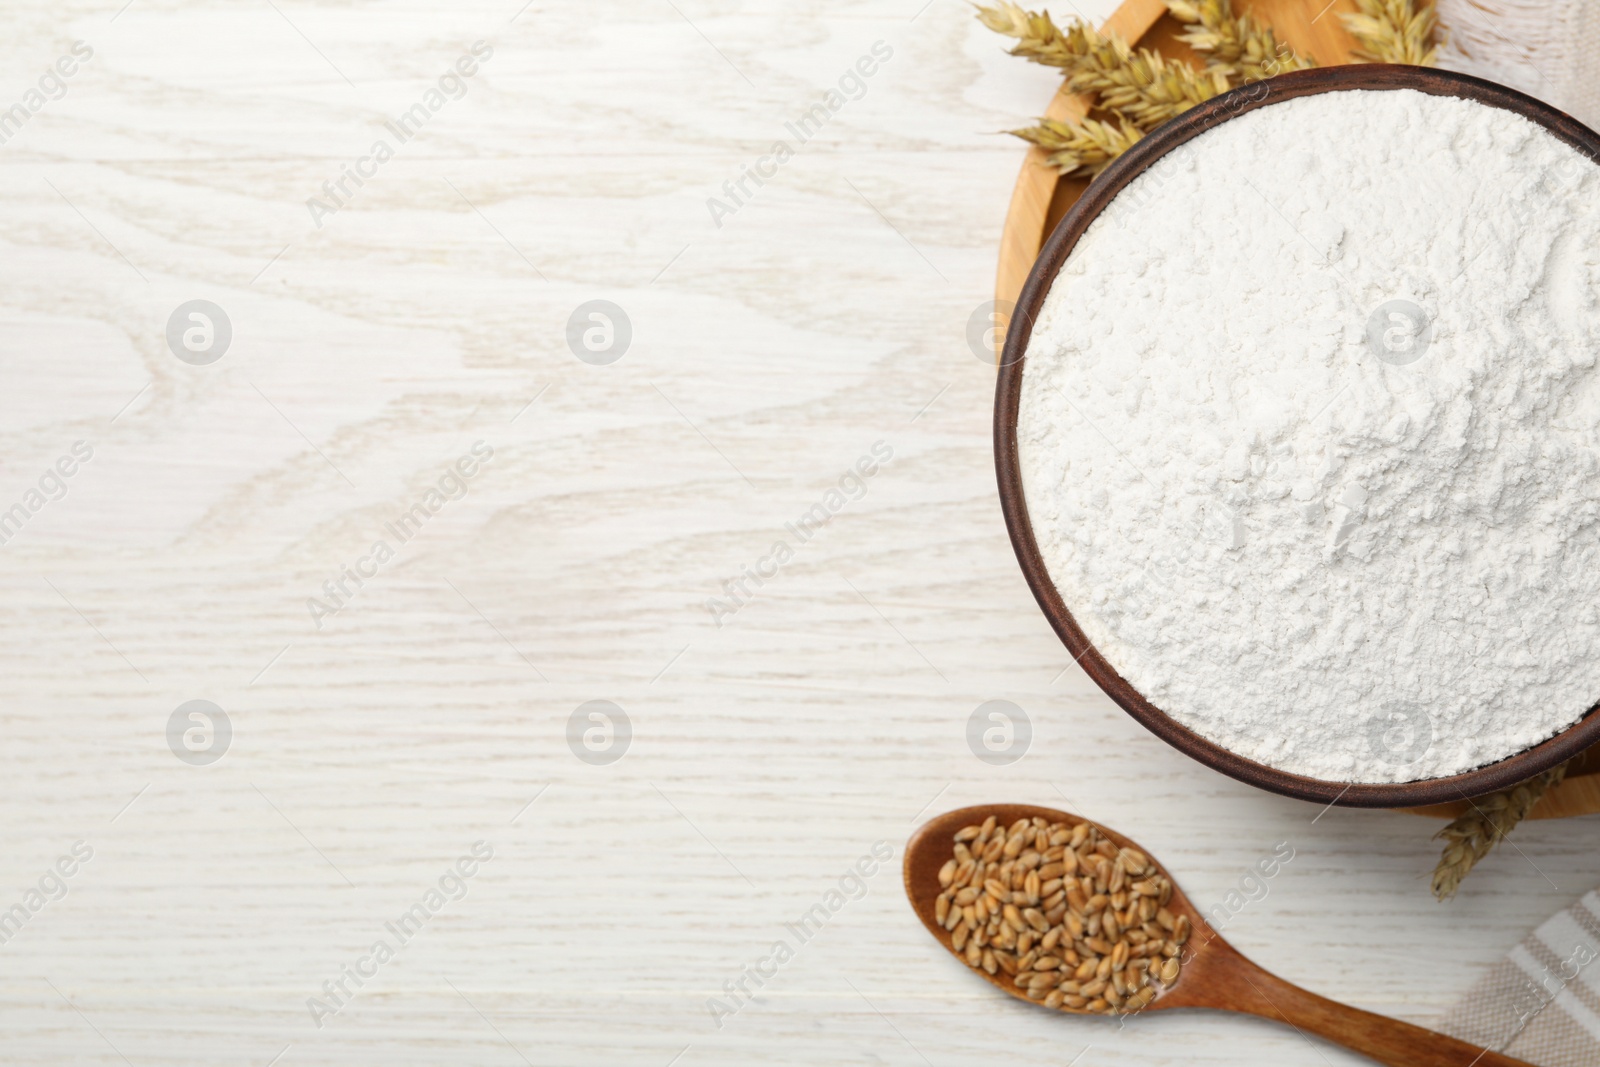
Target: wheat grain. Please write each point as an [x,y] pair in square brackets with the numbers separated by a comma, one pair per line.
[1090,948]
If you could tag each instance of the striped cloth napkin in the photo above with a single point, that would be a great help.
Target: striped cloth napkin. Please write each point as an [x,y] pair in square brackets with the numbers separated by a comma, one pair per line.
[1542,1002]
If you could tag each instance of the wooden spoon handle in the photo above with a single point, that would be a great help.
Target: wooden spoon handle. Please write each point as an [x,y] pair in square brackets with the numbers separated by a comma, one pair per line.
[1386,1040]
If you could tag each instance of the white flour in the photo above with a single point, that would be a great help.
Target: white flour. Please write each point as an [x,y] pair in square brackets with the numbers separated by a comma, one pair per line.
[1353,568]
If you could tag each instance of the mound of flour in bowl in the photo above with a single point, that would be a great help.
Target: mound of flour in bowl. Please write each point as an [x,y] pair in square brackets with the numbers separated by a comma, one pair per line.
[1310,435]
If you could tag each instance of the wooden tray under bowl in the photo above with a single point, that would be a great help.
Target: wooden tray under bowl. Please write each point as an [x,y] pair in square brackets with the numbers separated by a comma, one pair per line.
[1041,197]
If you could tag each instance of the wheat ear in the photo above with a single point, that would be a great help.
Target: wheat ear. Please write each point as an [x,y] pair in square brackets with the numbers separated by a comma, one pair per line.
[1394,31]
[1084,148]
[1240,46]
[1486,823]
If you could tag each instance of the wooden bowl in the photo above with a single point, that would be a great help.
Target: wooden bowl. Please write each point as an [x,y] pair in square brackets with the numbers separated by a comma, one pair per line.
[1013,364]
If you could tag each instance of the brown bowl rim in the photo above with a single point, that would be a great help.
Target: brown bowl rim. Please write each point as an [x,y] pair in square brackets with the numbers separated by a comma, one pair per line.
[1487,779]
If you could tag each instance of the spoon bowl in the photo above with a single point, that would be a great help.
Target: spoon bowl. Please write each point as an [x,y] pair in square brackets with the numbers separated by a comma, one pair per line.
[1212,973]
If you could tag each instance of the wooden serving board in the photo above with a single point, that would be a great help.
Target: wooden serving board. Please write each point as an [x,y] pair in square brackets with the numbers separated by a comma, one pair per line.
[1041,197]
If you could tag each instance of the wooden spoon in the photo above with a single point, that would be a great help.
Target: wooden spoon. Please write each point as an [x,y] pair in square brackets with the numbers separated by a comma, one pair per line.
[1214,974]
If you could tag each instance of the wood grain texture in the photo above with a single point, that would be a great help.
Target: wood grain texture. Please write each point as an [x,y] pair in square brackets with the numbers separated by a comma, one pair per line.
[768,355]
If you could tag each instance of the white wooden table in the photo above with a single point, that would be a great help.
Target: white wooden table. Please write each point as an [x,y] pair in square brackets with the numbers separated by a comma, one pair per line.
[768,354]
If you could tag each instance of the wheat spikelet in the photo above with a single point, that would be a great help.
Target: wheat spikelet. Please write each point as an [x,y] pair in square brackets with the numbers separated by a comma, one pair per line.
[1394,31]
[1489,819]
[1144,87]
[1238,45]
[1084,148]
[1141,87]
[1038,37]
